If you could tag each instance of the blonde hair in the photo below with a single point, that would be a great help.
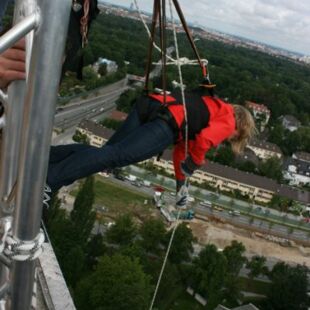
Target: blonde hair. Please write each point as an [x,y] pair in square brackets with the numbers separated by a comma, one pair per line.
[245,127]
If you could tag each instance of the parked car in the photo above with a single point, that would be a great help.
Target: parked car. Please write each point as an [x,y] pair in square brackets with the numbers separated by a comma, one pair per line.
[191,199]
[206,203]
[217,208]
[234,212]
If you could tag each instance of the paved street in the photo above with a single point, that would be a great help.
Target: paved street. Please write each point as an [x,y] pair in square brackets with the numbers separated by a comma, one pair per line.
[102,101]
[252,216]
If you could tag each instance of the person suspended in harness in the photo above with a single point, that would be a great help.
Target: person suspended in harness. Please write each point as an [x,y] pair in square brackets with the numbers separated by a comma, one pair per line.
[154,124]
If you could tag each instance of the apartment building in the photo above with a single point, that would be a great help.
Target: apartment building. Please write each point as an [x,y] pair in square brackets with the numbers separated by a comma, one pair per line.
[96,133]
[303,156]
[290,122]
[265,150]
[296,171]
[260,112]
[224,178]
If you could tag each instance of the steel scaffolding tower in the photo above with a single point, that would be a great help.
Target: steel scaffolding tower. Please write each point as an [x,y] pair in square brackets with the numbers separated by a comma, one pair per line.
[29,110]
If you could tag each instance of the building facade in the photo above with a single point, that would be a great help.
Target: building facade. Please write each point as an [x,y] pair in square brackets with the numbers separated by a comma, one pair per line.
[220,177]
[265,150]
[97,134]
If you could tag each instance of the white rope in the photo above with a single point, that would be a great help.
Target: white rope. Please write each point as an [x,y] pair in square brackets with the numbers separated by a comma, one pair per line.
[165,259]
[148,30]
[172,60]
[19,250]
[183,61]
[186,154]
[181,78]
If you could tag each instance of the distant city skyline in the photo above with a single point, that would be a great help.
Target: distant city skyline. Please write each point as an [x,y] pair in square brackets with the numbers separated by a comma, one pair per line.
[279,23]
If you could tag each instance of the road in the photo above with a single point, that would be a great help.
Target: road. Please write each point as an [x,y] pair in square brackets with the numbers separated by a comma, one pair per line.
[71,114]
[251,216]
[254,217]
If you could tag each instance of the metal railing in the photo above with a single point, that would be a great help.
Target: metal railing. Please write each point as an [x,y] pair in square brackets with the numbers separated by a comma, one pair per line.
[29,110]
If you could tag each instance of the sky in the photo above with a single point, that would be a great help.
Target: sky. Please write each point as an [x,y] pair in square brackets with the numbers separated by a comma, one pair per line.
[280,23]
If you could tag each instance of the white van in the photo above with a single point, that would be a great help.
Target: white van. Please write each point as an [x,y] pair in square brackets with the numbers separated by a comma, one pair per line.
[206,203]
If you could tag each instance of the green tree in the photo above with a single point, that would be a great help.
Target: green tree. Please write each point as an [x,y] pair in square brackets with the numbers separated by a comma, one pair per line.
[127,100]
[82,215]
[280,203]
[103,69]
[95,248]
[232,291]
[277,135]
[118,283]
[257,266]
[89,73]
[271,168]
[80,138]
[248,166]
[289,287]
[170,283]
[111,123]
[152,233]
[224,155]
[72,265]
[234,255]
[123,231]
[182,245]
[235,261]
[209,274]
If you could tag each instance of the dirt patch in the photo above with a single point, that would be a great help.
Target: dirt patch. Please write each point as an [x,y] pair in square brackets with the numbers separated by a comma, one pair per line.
[222,234]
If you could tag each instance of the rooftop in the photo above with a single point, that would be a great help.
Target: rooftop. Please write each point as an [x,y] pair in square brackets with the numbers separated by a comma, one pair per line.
[291,120]
[250,179]
[257,107]
[265,146]
[302,156]
[118,115]
[96,129]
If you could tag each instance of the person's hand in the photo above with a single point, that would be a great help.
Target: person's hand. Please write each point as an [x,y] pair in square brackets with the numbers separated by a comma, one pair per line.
[12,64]
[182,197]
[188,167]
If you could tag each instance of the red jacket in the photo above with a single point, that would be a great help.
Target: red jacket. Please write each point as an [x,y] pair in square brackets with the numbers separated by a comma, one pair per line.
[220,127]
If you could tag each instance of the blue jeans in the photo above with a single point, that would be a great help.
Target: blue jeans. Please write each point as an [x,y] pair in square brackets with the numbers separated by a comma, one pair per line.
[132,143]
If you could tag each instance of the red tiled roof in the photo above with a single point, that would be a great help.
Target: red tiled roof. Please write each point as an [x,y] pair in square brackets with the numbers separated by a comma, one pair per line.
[118,115]
[257,107]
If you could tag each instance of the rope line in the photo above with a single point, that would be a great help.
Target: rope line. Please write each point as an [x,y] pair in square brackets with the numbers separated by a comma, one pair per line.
[148,30]
[172,60]
[183,61]
[165,260]
[186,154]
[180,77]
[18,250]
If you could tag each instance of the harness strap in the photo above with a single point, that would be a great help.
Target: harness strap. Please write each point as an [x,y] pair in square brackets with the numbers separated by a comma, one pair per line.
[151,42]
[84,23]
[189,37]
[159,12]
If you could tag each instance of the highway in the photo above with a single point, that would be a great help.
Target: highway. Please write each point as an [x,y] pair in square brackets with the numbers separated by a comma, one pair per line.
[253,217]
[70,115]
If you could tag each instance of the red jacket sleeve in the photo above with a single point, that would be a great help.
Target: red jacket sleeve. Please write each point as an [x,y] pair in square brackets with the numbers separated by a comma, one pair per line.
[213,135]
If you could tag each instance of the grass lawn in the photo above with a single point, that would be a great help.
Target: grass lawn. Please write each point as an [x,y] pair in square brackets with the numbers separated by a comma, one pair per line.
[120,200]
[254,286]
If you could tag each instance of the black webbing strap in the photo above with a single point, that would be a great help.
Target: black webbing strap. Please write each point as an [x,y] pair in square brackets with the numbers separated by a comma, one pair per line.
[151,42]
[159,13]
